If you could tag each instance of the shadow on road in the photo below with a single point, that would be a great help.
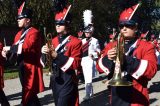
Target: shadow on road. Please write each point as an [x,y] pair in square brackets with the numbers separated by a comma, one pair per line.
[99,99]
[155,87]
[100,78]
[152,100]
[15,96]
[83,88]
[47,99]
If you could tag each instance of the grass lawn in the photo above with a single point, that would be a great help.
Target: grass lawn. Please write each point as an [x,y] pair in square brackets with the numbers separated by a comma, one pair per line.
[11,73]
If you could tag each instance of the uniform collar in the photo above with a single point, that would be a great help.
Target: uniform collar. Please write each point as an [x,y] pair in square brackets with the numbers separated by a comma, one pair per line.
[129,42]
[62,37]
[25,28]
[87,38]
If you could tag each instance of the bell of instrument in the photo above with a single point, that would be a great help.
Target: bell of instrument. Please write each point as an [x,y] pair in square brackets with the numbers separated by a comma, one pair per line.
[117,79]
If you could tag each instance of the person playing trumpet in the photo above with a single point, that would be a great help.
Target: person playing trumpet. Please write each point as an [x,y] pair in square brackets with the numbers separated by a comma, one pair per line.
[65,53]
[139,63]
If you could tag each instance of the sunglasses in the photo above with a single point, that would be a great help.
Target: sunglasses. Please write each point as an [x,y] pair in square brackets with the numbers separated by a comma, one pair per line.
[61,23]
[19,18]
[126,25]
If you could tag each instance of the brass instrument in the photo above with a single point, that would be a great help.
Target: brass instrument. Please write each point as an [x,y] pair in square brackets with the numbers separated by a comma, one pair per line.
[4,42]
[48,41]
[117,79]
[48,38]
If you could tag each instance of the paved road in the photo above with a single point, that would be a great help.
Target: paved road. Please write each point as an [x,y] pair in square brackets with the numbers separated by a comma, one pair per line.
[100,98]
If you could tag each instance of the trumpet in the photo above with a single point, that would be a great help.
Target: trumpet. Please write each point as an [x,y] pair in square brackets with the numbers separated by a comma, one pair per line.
[117,79]
[48,41]
[48,38]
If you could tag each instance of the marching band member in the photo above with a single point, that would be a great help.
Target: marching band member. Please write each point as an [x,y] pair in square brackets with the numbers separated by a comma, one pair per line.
[27,48]
[80,75]
[139,65]
[143,36]
[3,98]
[153,40]
[91,50]
[158,50]
[66,56]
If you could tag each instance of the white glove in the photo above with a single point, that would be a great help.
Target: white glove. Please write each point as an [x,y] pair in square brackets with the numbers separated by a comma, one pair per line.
[5,51]
[45,49]
[4,54]
[6,48]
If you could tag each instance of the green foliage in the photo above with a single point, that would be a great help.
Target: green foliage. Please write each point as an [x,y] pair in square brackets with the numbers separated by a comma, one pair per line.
[7,15]
[105,14]
[42,12]
[156,17]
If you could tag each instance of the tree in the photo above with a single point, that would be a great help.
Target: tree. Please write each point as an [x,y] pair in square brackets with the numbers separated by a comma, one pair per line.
[6,12]
[43,15]
[105,12]
[155,13]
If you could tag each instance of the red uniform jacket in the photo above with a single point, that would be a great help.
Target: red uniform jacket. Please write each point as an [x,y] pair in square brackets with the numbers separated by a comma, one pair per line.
[68,59]
[146,68]
[1,67]
[31,50]
[72,51]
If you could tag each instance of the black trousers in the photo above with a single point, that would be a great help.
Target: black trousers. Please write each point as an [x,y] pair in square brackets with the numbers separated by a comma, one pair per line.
[3,99]
[64,95]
